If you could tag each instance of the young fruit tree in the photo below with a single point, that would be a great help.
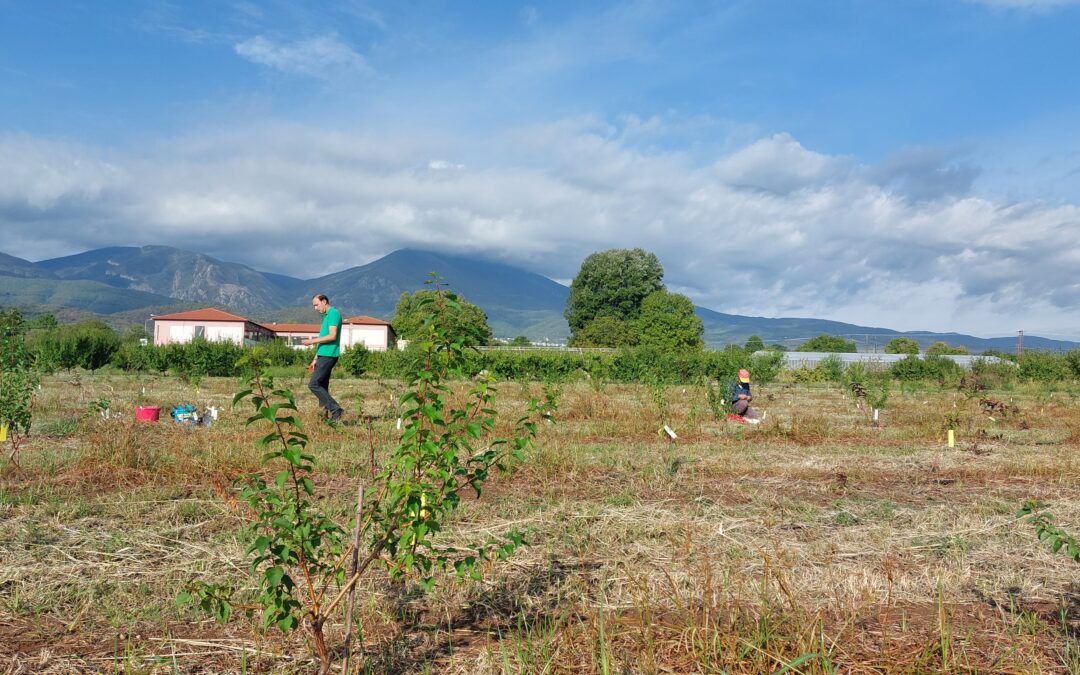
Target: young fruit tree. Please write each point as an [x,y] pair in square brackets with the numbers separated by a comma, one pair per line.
[18,383]
[447,444]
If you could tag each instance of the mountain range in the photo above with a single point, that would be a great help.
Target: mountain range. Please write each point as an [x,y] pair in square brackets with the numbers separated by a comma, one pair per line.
[125,284]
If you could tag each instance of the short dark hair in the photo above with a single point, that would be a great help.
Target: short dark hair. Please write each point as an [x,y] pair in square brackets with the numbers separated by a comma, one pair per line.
[322,297]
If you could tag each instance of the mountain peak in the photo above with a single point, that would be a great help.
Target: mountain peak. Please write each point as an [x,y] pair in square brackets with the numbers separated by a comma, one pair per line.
[517,302]
[10,266]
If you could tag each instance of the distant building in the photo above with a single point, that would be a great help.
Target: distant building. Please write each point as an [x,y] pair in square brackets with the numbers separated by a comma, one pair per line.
[216,325]
[375,334]
[209,324]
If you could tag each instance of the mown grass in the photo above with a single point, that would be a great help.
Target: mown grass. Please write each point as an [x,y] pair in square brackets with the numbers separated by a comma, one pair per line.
[816,542]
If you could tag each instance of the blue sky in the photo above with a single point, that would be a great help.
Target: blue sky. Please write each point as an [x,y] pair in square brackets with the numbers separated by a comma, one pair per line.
[908,164]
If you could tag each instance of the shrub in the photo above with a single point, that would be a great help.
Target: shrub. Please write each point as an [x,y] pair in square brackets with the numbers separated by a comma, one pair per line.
[942,369]
[354,360]
[18,381]
[945,349]
[828,343]
[1045,366]
[832,369]
[278,353]
[1073,359]
[909,368]
[88,344]
[994,374]
[902,345]
[133,356]
[216,358]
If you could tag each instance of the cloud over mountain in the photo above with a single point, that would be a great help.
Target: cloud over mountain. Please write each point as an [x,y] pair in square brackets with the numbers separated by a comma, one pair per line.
[769,228]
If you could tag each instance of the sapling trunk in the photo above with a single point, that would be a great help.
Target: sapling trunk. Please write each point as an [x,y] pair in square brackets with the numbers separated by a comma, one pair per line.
[352,589]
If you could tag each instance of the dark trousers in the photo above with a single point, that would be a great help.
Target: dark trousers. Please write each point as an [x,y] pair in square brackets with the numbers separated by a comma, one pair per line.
[320,383]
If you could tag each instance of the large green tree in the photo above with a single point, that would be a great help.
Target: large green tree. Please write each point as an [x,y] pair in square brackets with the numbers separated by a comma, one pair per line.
[902,345]
[466,320]
[668,322]
[612,283]
[828,343]
[606,331]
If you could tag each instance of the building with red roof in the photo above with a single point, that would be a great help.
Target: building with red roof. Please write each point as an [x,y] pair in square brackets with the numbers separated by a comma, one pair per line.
[375,334]
[215,324]
[209,324]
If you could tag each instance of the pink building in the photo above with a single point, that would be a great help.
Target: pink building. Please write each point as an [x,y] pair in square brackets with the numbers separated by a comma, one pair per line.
[375,334]
[211,325]
[214,324]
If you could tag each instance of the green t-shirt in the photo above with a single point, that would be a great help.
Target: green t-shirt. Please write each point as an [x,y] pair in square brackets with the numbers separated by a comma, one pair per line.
[331,318]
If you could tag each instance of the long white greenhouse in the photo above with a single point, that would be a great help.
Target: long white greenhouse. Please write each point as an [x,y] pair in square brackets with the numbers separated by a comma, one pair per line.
[812,359]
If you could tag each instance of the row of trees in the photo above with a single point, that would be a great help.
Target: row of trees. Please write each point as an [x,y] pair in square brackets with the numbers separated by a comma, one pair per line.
[92,345]
[835,344]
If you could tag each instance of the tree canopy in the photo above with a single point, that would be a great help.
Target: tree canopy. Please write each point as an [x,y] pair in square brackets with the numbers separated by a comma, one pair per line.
[945,349]
[754,343]
[612,283]
[828,343]
[87,344]
[668,321]
[902,345]
[467,320]
[606,331]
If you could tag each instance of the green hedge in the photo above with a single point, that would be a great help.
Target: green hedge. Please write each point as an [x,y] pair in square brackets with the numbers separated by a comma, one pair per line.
[200,357]
[632,364]
[637,364]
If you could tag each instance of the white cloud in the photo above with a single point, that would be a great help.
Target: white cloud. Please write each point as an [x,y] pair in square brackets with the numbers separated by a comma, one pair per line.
[770,228]
[321,56]
[779,164]
[443,165]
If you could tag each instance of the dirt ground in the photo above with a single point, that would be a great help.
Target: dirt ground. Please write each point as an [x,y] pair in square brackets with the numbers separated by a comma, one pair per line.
[816,542]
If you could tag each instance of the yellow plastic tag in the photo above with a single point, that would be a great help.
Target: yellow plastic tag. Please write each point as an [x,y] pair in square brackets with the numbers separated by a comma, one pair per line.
[3,433]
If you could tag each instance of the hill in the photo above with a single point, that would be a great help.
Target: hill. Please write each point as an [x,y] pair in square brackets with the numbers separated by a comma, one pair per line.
[516,301]
[89,296]
[174,273]
[733,328]
[128,283]
[10,266]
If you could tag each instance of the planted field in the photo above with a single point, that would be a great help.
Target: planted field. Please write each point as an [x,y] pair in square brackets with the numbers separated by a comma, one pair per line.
[815,542]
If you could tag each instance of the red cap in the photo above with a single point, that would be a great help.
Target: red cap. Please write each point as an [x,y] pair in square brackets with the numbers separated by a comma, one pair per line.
[744,375]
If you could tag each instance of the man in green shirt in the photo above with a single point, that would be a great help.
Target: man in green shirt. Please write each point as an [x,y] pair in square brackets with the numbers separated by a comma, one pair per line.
[326,356]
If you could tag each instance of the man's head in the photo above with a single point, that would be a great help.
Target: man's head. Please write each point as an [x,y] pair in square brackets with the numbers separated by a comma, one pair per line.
[744,375]
[321,303]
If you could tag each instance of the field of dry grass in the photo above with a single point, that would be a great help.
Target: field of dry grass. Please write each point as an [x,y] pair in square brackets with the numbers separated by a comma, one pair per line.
[815,542]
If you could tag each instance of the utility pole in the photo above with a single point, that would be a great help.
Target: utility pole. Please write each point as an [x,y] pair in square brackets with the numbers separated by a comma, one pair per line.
[1019,344]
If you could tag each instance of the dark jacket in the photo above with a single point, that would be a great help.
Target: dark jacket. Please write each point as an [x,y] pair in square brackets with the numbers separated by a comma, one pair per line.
[740,388]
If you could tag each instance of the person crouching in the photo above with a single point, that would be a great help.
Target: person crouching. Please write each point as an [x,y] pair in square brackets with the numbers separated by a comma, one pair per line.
[741,396]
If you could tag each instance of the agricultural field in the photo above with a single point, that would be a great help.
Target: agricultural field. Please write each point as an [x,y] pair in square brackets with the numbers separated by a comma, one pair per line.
[815,542]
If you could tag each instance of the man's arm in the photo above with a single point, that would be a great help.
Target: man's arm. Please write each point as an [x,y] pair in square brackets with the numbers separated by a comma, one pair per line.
[329,337]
